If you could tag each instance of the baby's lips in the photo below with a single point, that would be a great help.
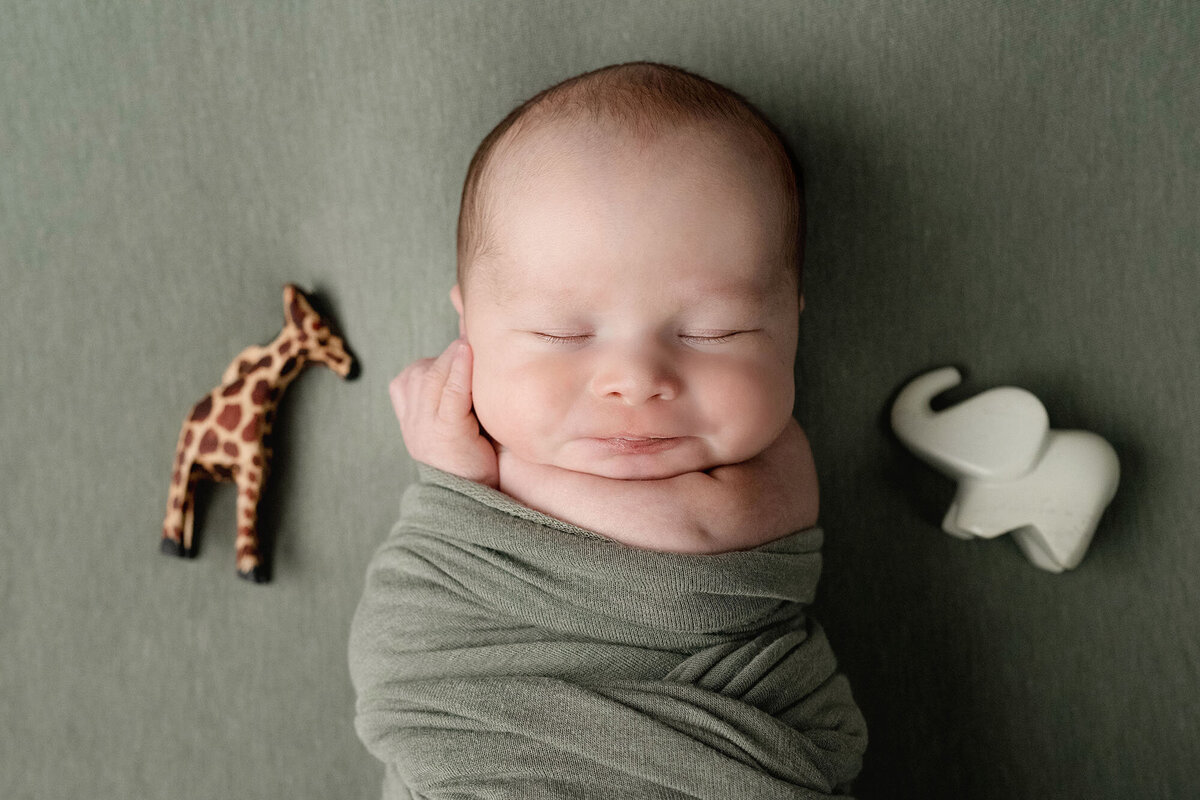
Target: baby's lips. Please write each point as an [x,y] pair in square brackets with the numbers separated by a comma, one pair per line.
[638,446]
[636,437]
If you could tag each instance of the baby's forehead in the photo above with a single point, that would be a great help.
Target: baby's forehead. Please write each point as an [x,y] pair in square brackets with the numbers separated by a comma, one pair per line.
[530,148]
[574,158]
[559,149]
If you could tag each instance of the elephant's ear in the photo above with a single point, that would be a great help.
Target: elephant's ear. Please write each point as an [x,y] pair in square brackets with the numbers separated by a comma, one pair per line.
[996,435]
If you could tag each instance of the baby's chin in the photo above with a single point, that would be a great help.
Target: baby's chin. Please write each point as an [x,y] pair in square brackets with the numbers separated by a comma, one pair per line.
[639,472]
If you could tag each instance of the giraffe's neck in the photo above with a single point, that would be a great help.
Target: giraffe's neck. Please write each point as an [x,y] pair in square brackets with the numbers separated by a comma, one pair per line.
[278,367]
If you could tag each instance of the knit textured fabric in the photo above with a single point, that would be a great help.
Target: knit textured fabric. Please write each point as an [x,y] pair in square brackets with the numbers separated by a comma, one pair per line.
[501,653]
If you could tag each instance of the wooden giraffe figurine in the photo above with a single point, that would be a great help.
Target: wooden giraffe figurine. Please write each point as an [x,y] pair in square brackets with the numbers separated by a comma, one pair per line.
[224,435]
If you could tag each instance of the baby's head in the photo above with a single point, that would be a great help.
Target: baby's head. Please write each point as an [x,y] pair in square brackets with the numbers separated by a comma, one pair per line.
[628,276]
[636,103]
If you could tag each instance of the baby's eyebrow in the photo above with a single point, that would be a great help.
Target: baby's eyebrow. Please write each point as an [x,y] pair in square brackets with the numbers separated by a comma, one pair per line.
[750,292]
[492,273]
[506,285]
[506,288]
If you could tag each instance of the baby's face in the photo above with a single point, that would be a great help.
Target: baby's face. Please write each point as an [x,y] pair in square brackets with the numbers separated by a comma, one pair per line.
[634,319]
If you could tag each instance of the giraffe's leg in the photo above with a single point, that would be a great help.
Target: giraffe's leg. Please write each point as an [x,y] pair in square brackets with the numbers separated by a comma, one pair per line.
[177,529]
[189,516]
[249,563]
[177,524]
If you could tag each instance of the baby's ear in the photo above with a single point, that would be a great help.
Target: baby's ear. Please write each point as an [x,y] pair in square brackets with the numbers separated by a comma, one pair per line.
[457,301]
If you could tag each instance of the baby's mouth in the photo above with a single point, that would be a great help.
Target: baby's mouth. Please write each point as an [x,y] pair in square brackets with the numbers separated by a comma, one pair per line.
[636,445]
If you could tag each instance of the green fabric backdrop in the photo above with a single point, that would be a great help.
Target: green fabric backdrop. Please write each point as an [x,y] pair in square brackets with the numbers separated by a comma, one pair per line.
[1010,187]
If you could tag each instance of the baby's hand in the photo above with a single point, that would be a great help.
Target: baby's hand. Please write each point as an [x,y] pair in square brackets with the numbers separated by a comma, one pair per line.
[432,400]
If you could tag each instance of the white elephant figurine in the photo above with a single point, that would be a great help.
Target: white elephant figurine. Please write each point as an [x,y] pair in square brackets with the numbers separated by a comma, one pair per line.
[1047,487]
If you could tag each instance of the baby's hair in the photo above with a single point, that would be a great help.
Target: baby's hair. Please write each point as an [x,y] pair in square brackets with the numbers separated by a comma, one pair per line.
[643,99]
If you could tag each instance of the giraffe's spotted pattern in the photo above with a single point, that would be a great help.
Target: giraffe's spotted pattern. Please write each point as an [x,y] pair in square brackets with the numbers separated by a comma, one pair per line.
[224,435]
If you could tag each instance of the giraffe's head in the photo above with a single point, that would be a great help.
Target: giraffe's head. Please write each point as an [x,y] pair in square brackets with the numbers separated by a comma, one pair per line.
[313,334]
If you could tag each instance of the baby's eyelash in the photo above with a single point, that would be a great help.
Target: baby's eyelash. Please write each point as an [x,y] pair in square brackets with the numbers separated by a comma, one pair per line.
[690,338]
[556,339]
[709,338]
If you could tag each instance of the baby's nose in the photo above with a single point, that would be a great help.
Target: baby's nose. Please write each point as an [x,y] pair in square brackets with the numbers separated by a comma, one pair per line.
[635,377]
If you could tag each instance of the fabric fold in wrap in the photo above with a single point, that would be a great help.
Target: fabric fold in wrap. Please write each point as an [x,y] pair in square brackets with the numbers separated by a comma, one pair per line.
[501,653]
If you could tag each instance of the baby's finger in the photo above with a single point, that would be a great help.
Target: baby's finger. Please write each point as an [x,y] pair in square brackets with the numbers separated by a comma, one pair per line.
[397,394]
[404,390]
[433,382]
[456,396]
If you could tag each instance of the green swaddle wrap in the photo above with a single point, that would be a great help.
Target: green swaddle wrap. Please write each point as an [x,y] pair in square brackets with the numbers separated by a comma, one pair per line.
[500,653]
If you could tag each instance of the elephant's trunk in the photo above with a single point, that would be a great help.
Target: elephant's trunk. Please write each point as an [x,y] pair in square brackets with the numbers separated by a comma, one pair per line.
[996,435]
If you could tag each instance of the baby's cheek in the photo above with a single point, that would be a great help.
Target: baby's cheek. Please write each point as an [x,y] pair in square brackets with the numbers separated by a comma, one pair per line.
[747,405]
[489,401]
[517,407]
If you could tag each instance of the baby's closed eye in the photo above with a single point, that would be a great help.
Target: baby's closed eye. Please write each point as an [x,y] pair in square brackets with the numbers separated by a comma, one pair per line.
[700,337]
[562,337]
[713,337]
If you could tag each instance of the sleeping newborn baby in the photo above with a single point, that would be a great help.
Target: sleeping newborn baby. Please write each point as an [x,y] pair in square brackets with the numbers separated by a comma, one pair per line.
[598,586]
